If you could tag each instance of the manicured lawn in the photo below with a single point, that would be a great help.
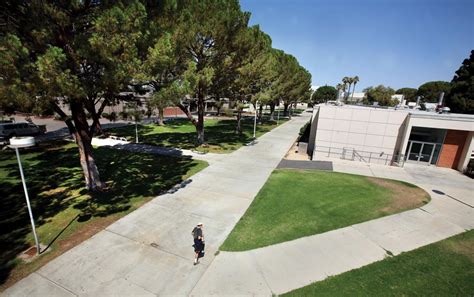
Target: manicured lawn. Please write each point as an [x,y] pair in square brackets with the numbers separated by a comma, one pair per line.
[65,212]
[445,268]
[297,203]
[220,135]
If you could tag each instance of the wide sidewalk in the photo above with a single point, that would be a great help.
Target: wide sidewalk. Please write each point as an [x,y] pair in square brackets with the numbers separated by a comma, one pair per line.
[149,252]
[287,266]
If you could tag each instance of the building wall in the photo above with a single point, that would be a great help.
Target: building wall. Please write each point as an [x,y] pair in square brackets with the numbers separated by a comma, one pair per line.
[430,120]
[172,111]
[313,130]
[376,131]
[452,148]
[467,153]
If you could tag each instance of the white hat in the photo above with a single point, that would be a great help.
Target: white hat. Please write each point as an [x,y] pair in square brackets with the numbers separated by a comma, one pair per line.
[200,223]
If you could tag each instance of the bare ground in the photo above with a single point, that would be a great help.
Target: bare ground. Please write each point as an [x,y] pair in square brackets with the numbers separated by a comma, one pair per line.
[404,196]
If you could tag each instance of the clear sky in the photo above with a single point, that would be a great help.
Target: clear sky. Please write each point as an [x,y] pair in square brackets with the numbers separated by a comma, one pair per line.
[399,43]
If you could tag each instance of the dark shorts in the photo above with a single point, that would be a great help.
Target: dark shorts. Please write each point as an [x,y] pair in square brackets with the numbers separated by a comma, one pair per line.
[198,245]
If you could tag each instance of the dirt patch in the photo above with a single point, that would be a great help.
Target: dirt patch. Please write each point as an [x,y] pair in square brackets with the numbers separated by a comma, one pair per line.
[463,246]
[294,154]
[404,196]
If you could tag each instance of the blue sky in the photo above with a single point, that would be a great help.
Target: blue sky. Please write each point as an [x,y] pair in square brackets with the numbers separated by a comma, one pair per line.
[399,43]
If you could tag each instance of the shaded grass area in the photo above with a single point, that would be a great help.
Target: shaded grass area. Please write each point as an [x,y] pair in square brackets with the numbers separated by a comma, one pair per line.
[220,134]
[296,203]
[65,213]
[445,268]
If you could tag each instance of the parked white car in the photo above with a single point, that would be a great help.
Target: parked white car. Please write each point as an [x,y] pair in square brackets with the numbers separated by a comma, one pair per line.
[9,130]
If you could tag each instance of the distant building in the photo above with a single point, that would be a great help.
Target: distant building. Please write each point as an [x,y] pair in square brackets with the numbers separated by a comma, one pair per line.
[392,137]
[356,98]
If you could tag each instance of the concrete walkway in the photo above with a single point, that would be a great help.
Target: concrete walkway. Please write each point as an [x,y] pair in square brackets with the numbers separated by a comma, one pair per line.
[287,266]
[149,252]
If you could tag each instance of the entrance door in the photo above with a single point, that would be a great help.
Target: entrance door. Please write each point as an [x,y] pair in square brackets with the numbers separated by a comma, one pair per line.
[421,152]
[426,152]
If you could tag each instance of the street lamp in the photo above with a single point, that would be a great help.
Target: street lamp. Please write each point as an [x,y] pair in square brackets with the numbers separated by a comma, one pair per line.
[16,143]
[278,117]
[255,121]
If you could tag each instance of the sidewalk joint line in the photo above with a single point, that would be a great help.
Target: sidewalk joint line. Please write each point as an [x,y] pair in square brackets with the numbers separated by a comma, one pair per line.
[55,283]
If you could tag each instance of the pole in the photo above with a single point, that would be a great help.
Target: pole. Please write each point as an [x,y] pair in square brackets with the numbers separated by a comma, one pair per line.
[136,131]
[255,120]
[28,201]
[278,116]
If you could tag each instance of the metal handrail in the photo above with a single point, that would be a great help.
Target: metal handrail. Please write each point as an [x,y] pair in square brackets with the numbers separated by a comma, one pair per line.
[362,156]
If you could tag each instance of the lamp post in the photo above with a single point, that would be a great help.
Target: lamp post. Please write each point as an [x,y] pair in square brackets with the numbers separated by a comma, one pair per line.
[278,117]
[136,131]
[255,120]
[16,143]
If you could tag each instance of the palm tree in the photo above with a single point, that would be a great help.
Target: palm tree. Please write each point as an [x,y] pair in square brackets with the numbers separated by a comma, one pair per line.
[355,80]
[347,82]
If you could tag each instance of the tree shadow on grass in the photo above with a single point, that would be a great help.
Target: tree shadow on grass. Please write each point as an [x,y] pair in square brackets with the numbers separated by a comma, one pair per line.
[221,134]
[55,183]
[40,176]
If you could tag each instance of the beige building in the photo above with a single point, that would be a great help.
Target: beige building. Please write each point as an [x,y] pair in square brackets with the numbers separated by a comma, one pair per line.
[392,137]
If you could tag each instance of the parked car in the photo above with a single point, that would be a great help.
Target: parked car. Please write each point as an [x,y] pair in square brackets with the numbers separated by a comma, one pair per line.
[9,130]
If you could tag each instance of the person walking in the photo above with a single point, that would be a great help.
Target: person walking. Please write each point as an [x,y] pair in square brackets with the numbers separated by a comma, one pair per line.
[198,236]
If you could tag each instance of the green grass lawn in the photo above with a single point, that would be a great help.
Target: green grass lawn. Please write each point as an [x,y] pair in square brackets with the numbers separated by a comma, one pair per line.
[445,268]
[64,211]
[297,203]
[220,135]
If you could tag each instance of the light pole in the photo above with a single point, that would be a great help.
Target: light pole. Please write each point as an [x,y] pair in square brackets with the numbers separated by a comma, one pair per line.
[255,121]
[278,116]
[136,131]
[16,143]
[136,115]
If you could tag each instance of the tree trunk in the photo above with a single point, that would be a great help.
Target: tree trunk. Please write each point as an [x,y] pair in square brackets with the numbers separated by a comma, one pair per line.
[260,113]
[272,111]
[96,128]
[83,140]
[161,116]
[239,119]
[200,121]
[285,109]
[347,94]
[187,113]
[353,90]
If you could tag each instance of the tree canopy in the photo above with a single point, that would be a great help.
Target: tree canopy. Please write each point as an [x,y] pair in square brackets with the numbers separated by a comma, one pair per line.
[431,91]
[461,97]
[84,55]
[79,54]
[323,94]
[380,94]
[409,94]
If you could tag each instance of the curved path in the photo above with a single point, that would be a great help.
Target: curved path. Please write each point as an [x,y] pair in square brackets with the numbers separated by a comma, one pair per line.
[148,252]
[290,265]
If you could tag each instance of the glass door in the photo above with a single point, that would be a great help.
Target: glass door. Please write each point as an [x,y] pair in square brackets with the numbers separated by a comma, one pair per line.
[421,152]
[414,151]
[426,152]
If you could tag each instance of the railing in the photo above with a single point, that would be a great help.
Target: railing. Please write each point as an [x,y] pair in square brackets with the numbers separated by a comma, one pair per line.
[360,156]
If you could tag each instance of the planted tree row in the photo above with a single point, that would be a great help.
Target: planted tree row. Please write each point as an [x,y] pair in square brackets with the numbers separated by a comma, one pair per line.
[84,54]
